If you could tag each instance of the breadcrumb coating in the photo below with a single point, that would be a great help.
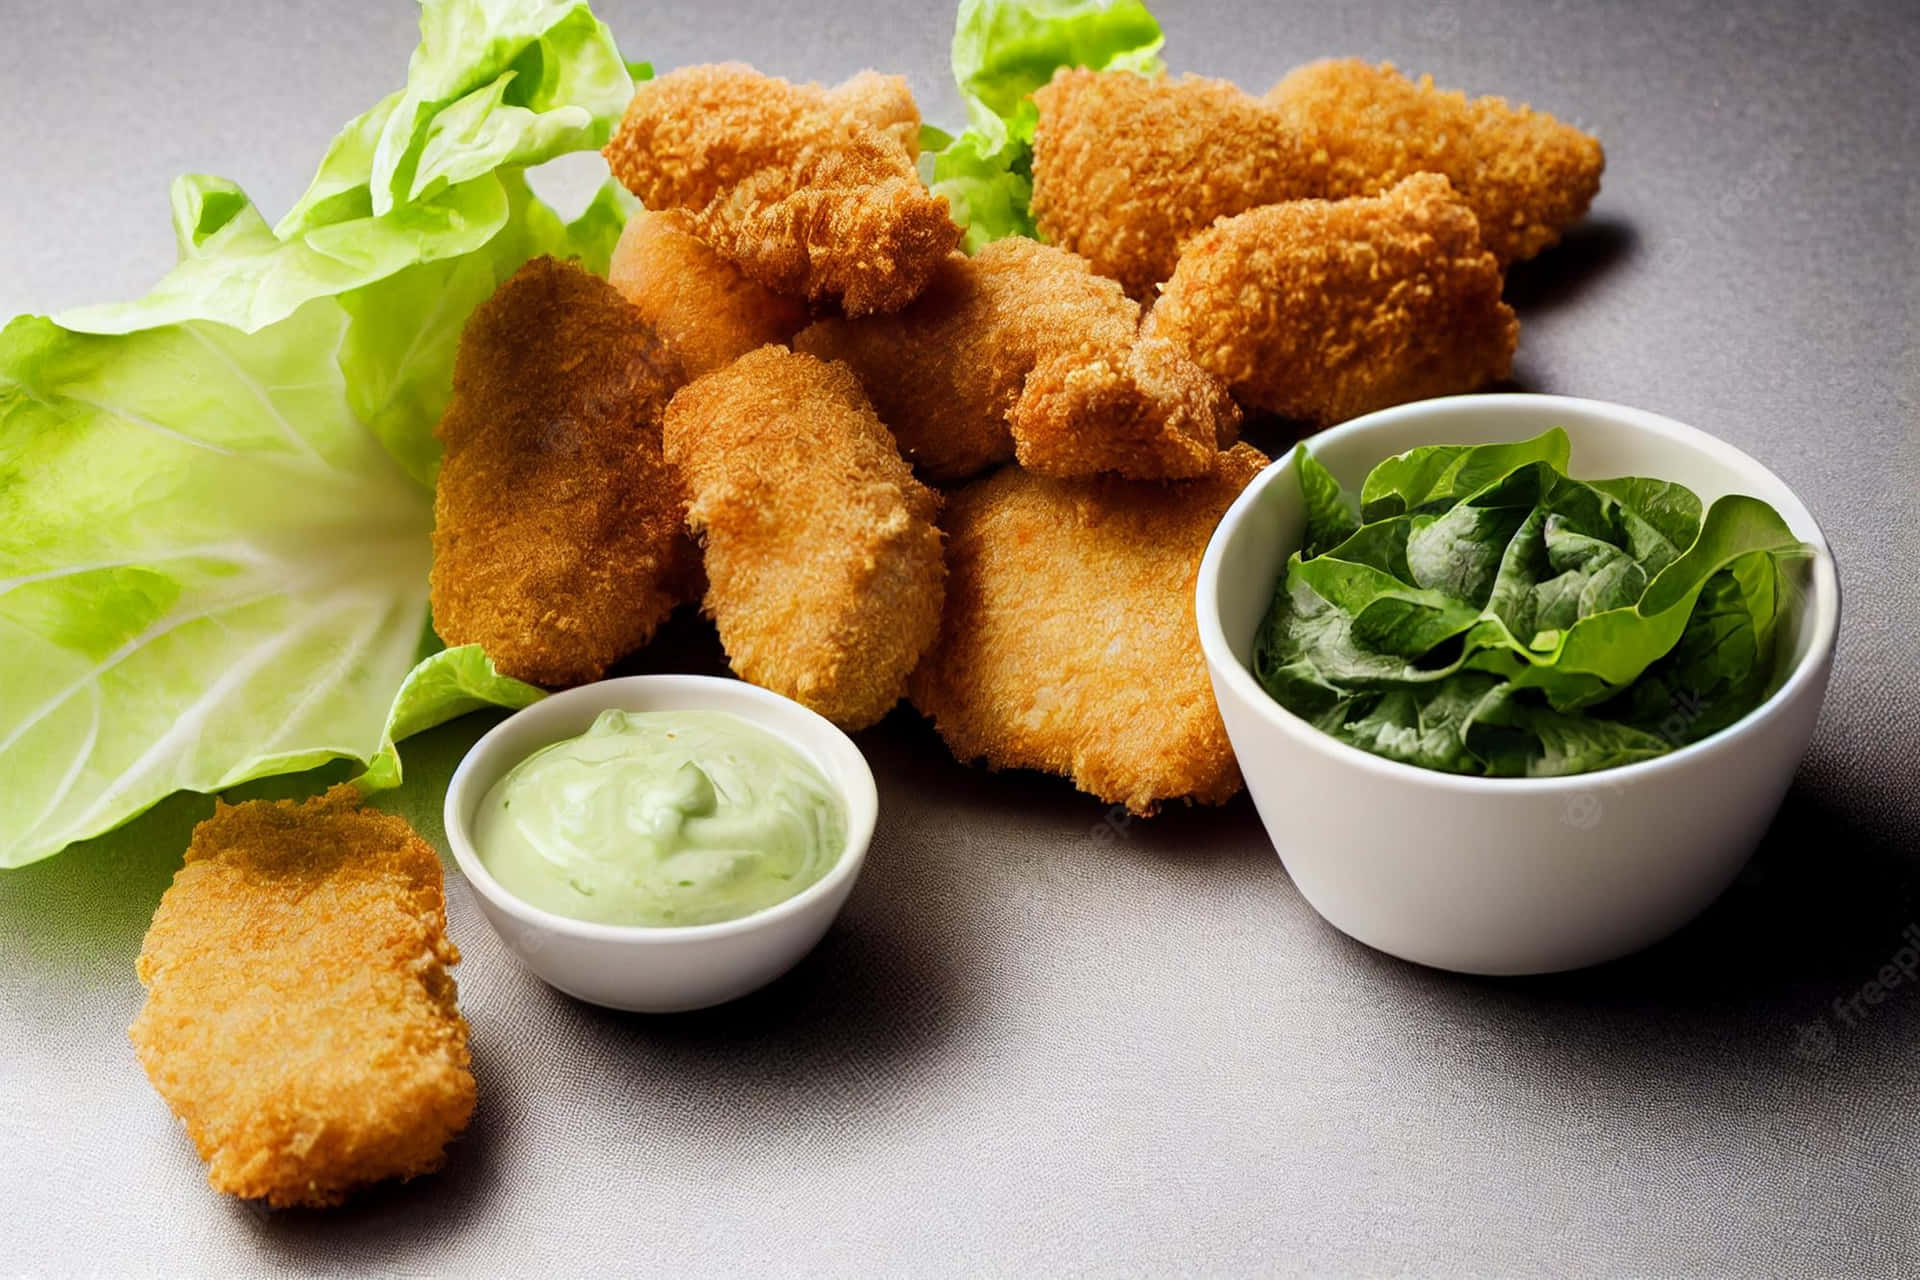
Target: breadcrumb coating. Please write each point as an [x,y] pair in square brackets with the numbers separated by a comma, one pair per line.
[1126,168]
[707,312]
[883,101]
[1069,642]
[1525,175]
[1150,414]
[1323,310]
[1022,348]
[558,543]
[300,1019]
[823,559]
[813,192]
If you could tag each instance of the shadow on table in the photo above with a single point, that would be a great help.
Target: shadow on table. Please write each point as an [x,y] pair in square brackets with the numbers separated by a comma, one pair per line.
[1558,276]
[1805,967]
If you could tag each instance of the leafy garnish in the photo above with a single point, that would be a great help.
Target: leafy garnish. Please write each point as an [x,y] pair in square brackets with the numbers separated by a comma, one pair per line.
[215,501]
[1486,613]
[1002,51]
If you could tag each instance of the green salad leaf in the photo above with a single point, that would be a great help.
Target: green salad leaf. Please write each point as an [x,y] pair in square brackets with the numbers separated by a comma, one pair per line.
[216,501]
[1002,51]
[1487,613]
[443,684]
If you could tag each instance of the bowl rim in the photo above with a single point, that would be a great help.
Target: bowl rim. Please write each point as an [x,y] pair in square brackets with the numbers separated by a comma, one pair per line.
[1824,597]
[856,790]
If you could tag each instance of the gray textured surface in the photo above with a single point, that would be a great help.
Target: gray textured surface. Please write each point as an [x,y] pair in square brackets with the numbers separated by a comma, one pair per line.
[1022,1049]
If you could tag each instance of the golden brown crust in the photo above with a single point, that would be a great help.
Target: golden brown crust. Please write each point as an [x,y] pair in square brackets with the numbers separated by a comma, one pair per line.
[1324,310]
[300,1019]
[1023,346]
[813,192]
[1148,414]
[707,312]
[822,554]
[1127,168]
[558,542]
[1526,175]
[883,101]
[1069,643]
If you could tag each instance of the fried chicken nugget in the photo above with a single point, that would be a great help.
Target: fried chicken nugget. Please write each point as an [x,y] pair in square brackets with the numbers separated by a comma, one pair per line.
[813,192]
[300,1019]
[1324,310]
[558,543]
[822,554]
[1069,642]
[707,312]
[883,101]
[1023,349]
[1526,175]
[1127,168]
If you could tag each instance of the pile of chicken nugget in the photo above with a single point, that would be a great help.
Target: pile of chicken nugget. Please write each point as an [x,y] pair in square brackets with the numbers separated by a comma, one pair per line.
[888,469]
[883,468]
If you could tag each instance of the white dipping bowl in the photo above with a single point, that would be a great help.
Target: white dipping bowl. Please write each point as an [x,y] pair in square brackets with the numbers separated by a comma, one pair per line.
[662,969]
[1508,875]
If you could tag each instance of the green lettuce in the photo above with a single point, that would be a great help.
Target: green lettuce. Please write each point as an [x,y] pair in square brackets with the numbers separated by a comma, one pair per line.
[1002,51]
[1484,612]
[216,501]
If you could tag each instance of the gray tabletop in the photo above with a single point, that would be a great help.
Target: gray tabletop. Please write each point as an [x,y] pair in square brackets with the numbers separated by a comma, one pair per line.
[1025,1049]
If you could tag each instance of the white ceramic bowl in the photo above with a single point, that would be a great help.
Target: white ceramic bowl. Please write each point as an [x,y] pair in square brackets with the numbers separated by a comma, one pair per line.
[662,970]
[1508,875]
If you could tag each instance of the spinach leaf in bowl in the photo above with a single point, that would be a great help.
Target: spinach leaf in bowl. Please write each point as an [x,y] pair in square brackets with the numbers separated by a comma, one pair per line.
[1478,610]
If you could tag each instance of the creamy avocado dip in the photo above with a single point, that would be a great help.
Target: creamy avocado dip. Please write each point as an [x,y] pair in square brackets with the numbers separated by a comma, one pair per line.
[661,818]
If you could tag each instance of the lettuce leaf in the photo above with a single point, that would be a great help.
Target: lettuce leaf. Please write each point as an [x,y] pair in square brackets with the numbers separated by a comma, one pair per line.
[1494,615]
[445,683]
[215,501]
[1002,51]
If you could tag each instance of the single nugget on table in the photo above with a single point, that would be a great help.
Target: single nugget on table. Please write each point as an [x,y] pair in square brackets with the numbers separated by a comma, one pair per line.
[300,1018]
[1126,168]
[823,560]
[558,541]
[1322,310]
[1069,642]
[812,191]
[1023,350]
[706,310]
[1526,175]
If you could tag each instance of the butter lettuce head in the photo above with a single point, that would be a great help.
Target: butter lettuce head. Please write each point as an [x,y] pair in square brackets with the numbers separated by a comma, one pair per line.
[216,501]
[1002,51]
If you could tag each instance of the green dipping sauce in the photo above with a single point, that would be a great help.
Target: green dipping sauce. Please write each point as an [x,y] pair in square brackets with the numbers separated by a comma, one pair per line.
[661,818]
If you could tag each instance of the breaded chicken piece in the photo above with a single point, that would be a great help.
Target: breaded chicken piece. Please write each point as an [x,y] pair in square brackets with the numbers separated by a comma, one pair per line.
[813,192]
[707,312]
[1526,175]
[558,543]
[1323,310]
[822,556]
[883,101]
[1069,642]
[300,1019]
[1152,414]
[1023,349]
[1127,168]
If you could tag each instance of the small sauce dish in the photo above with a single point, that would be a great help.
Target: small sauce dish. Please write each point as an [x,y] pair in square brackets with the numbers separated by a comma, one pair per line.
[651,969]
[1509,875]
